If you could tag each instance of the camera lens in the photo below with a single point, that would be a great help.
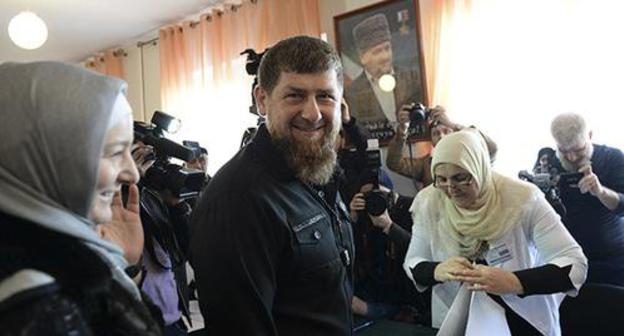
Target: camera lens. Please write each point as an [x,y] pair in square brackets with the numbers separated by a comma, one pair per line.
[376,203]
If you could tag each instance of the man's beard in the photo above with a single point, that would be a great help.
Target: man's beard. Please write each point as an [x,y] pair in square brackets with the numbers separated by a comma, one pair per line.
[575,166]
[312,161]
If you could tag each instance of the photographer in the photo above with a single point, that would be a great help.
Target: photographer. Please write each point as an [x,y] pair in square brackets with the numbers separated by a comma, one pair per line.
[165,220]
[439,125]
[595,207]
[351,153]
[382,237]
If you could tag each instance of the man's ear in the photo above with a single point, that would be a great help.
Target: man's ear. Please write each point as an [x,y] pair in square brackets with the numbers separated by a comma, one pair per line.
[260,95]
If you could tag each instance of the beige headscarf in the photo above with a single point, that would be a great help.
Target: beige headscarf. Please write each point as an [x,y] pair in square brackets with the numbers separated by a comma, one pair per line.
[498,206]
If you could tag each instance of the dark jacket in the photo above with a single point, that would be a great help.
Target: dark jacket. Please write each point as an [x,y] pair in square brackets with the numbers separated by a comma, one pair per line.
[598,230]
[83,299]
[271,256]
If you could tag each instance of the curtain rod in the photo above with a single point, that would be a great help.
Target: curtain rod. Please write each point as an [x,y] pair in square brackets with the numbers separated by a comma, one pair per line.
[153,41]
[232,7]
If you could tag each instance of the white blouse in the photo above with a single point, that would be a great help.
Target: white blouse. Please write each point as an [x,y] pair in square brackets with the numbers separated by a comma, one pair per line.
[538,239]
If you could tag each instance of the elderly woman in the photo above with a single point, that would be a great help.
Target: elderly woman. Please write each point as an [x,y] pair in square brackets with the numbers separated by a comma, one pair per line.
[65,137]
[491,245]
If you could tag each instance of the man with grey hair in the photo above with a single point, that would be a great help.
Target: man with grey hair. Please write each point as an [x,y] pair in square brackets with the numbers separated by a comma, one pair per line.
[271,251]
[365,97]
[595,208]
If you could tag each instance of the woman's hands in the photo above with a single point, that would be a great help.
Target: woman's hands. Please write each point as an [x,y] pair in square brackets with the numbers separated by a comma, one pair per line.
[447,270]
[480,278]
[125,228]
[489,279]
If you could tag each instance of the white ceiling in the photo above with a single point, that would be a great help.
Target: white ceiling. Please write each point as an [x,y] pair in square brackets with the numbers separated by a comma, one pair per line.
[79,28]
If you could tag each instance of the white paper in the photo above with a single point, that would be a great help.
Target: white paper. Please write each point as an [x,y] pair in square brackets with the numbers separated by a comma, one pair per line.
[486,317]
[456,319]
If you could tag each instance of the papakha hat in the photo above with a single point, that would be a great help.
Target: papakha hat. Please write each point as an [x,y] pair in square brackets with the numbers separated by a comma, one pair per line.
[371,32]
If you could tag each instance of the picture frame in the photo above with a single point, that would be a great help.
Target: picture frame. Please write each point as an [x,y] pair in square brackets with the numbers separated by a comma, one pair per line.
[377,40]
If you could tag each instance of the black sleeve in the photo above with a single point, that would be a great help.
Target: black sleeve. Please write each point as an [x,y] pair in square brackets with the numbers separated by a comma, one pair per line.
[400,237]
[236,247]
[180,216]
[423,273]
[545,279]
[615,178]
[355,135]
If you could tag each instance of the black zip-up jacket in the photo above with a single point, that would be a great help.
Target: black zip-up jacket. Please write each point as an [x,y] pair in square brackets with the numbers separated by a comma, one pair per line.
[271,256]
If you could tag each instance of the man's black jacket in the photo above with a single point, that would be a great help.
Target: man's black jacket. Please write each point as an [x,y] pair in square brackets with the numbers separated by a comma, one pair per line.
[271,256]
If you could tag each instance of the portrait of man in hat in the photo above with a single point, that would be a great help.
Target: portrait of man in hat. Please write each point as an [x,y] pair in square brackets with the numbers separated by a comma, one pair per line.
[379,42]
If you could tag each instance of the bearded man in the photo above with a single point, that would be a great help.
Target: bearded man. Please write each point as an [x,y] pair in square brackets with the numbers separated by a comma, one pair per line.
[595,208]
[271,254]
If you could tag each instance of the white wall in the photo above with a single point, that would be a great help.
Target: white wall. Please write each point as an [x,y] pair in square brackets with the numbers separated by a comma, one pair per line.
[142,70]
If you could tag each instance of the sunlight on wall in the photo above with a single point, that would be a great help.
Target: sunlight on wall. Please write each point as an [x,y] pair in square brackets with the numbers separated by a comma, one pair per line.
[511,66]
[216,117]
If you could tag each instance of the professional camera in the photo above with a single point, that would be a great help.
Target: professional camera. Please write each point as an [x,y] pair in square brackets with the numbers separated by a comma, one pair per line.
[419,129]
[163,175]
[251,66]
[377,201]
[552,185]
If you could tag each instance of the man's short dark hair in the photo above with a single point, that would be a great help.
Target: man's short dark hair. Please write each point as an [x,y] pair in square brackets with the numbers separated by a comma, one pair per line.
[301,55]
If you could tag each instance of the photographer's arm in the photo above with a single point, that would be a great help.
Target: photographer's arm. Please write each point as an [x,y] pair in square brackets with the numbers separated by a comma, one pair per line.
[395,233]
[354,134]
[590,183]
[180,218]
[411,168]
[438,115]
[610,191]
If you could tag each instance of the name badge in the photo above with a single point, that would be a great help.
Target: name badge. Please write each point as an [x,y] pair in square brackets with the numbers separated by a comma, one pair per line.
[499,254]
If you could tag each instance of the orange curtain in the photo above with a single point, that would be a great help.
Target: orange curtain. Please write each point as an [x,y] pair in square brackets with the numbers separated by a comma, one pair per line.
[109,62]
[438,19]
[203,77]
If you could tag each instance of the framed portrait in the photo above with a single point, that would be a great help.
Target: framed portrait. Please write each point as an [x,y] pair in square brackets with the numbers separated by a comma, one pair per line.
[380,48]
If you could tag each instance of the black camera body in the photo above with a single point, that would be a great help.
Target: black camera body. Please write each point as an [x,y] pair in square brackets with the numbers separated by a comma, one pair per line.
[183,183]
[419,129]
[552,184]
[377,201]
[163,175]
[569,180]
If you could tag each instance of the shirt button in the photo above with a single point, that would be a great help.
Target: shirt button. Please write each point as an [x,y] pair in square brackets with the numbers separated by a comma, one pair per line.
[317,235]
[321,193]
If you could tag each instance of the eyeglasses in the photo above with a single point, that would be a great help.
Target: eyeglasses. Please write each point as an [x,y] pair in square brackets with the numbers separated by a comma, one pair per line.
[458,181]
[576,151]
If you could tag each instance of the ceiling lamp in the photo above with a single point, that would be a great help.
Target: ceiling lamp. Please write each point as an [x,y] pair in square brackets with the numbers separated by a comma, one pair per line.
[27,30]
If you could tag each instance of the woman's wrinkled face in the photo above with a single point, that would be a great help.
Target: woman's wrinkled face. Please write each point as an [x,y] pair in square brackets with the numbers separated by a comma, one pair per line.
[457,183]
[116,166]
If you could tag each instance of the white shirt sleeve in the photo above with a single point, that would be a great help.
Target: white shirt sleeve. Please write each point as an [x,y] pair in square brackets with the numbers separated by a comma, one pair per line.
[555,244]
[419,249]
